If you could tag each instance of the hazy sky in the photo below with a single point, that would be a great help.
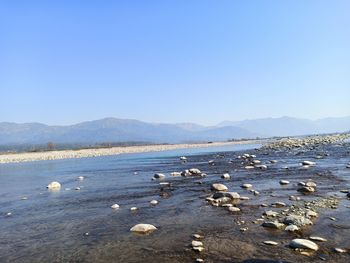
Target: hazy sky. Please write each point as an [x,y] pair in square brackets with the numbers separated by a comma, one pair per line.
[63,62]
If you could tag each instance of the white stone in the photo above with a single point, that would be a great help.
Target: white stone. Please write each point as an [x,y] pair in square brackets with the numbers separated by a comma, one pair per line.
[219,187]
[303,243]
[143,228]
[115,206]
[53,186]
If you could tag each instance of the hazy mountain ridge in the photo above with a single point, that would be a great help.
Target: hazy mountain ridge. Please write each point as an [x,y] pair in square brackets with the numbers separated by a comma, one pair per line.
[127,130]
[288,126]
[114,130]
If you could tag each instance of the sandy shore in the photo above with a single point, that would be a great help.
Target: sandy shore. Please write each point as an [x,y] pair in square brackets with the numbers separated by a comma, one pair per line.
[83,153]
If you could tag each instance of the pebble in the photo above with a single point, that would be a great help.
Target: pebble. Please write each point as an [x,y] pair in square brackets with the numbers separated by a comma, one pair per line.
[339,250]
[53,186]
[316,238]
[199,260]
[81,178]
[246,186]
[134,208]
[308,163]
[244,198]
[273,224]
[284,182]
[278,204]
[291,228]
[297,220]
[198,249]
[225,176]
[24,198]
[77,188]
[9,214]
[219,187]
[183,158]
[303,243]
[234,209]
[175,174]
[271,213]
[197,236]
[115,206]
[249,167]
[143,228]
[196,243]
[158,176]
[271,243]
[154,202]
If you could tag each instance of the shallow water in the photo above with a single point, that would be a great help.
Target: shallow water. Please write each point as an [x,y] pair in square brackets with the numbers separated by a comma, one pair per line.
[52,226]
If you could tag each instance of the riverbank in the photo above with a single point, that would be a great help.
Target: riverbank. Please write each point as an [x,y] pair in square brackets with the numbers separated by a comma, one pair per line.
[95,152]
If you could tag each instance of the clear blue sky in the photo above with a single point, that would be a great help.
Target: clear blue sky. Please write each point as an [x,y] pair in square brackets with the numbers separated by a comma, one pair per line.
[201,61]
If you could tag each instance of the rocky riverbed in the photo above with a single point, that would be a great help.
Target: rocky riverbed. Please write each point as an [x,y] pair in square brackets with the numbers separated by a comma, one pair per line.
[265,205]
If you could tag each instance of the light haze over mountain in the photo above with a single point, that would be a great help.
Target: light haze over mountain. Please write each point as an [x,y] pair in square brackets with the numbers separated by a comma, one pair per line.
[125,130]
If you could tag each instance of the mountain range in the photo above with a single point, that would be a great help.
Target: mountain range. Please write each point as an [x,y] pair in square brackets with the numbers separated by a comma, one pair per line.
[125,130]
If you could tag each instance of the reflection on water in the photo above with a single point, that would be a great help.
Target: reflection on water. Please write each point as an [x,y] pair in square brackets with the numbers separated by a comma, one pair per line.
[79,225]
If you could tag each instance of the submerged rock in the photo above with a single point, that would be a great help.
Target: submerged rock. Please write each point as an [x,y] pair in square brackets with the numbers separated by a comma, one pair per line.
[303,244]
[143,228]
[273,224]
[158,176]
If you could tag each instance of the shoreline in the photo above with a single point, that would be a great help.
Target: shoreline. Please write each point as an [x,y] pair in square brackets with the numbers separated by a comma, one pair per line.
[96,152]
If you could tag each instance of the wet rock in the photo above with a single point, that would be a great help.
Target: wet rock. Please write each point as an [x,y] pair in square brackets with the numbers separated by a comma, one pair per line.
[134,208]
[199,260]
[231,195]
[175,174]
[154,202]
[348,195]
[284,182]
[81,178]
[303,244]
[244,198]
[316,238]
[273,224]
[219,187]
[77,188]
[197,236]
[158,176]
[278,204]
[308,163]
[196,243]
[115,206]
[183,158]
[143,228]
[246,186]
[54,186]
[291,228]
[306,189]
[261,166]
[339,250]
[198,249]
[270,243]
[297,220]
[234,209]
[271,213]
[249,167]
[310,184]
[225,176]
[311,213]
[294,198]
